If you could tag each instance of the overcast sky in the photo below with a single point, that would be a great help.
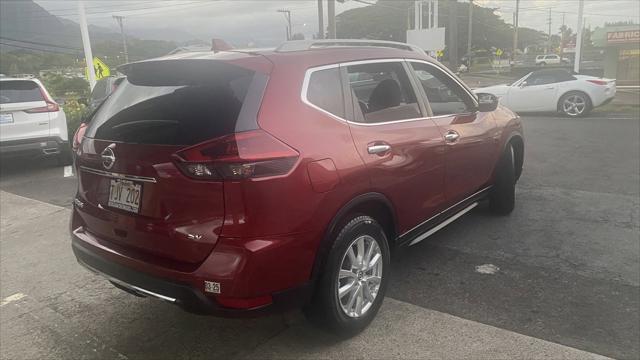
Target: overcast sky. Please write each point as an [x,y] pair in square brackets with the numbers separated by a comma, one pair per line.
[257,21]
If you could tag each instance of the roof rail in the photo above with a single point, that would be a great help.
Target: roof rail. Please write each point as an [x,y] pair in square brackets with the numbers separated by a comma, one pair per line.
[301,45]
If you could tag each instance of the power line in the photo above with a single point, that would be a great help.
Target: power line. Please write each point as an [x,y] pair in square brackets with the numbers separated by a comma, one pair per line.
[38,49]
[41,44]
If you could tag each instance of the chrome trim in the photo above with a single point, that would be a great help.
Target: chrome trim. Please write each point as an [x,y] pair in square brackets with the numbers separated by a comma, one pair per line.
[118,176]
[125,284]
[307,76]
[378,149]
[305,89]
[443,224]
[445,210]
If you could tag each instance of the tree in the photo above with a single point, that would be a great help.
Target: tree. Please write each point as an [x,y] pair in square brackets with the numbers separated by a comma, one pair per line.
[390,19]
[297,36]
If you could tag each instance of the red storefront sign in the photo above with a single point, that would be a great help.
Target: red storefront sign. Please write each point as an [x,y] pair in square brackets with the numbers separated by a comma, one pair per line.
[621,37]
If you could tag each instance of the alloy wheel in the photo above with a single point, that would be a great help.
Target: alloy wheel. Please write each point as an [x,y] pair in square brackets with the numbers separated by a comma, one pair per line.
[360,276]
[574,105]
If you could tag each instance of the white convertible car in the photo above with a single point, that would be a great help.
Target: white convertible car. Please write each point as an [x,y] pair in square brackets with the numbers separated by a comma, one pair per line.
[554,90]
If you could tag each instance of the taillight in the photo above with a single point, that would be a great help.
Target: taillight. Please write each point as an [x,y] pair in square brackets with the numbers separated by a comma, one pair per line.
[250,154]
[50,107]
[77,137]
[598,82]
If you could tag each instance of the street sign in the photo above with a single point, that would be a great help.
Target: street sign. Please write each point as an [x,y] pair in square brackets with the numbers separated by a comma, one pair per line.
[499,52]
[101,69]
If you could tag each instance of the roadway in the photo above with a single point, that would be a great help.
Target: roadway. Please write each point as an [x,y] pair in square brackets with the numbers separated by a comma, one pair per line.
[559,278]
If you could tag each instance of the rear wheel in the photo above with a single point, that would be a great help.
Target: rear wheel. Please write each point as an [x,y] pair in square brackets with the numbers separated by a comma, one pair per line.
[502,197]
[575,104]
[353,283]
[64,157]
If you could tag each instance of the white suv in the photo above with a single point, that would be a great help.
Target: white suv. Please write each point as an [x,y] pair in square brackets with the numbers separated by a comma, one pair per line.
[31,122]
[550,59]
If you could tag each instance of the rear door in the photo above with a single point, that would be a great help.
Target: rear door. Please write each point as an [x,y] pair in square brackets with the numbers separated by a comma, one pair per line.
[470,137]
[134,194]
[19,114]
[401,147]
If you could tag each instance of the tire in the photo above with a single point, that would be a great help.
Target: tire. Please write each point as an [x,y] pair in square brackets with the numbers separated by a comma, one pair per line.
[502,197]
[543,64]
[327,309]
[64,157]
[580,100]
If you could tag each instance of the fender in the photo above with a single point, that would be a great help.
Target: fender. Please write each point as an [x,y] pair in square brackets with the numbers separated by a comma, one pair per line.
[327,240]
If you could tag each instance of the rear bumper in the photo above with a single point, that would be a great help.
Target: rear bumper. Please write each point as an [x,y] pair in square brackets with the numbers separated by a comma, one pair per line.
[179,288]
[46,146]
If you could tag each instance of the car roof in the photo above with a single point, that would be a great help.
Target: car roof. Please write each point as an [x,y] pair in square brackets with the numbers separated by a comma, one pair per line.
[311,53]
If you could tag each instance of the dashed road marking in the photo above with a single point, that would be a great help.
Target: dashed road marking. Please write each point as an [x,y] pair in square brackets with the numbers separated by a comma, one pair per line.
[68,171]
[488,269]
[12,298]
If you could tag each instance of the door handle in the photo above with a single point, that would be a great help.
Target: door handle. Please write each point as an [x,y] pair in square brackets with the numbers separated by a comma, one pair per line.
[378,149]
[451,136]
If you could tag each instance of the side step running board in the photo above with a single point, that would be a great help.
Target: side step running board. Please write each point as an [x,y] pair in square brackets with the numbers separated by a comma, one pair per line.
[443,224]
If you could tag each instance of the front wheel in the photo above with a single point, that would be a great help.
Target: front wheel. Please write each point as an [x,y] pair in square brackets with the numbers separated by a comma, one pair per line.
[353,283]
[502,197]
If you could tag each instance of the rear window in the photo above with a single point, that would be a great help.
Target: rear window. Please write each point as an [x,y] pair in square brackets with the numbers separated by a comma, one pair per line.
[180,104]
[19,91]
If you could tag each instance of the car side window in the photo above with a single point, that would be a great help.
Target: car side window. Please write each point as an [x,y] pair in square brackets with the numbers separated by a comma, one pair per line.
[325,91]
[542,79]
[444,95]
[382,92]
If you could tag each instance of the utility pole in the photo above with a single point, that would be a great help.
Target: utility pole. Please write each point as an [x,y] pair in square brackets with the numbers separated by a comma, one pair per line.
[562,31]
[515,30]
[320,20]
[470,31]
[549,22]
[119,20]
[287,15]
[86,44]
[576,61]
[417,15]
[435,14]
[331,14]
[453,35]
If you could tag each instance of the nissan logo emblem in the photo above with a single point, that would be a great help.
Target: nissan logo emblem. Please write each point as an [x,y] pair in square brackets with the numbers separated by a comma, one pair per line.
[108,158]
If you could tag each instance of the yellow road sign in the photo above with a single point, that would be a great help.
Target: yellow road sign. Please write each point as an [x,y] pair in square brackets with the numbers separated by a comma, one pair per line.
[499,52]
[101,69]
[440,53]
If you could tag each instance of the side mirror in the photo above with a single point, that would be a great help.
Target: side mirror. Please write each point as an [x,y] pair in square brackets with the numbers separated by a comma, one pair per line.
[487,102]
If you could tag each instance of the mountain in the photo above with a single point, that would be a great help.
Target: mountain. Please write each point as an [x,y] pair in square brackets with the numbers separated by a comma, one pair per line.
[32,25]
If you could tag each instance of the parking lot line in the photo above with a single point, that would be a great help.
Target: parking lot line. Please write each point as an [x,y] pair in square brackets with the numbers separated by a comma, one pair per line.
[12,298]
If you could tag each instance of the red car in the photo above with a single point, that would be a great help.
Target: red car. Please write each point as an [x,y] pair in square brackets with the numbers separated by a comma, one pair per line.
[244,182]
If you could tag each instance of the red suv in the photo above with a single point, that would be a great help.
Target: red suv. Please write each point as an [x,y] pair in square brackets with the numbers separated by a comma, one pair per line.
[243,182]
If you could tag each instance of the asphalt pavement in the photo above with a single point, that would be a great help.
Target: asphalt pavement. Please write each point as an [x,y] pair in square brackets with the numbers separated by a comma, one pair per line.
[559,278]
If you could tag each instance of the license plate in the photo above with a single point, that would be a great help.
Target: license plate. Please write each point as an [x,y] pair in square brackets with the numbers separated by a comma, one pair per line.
[125,195]
[6,118]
